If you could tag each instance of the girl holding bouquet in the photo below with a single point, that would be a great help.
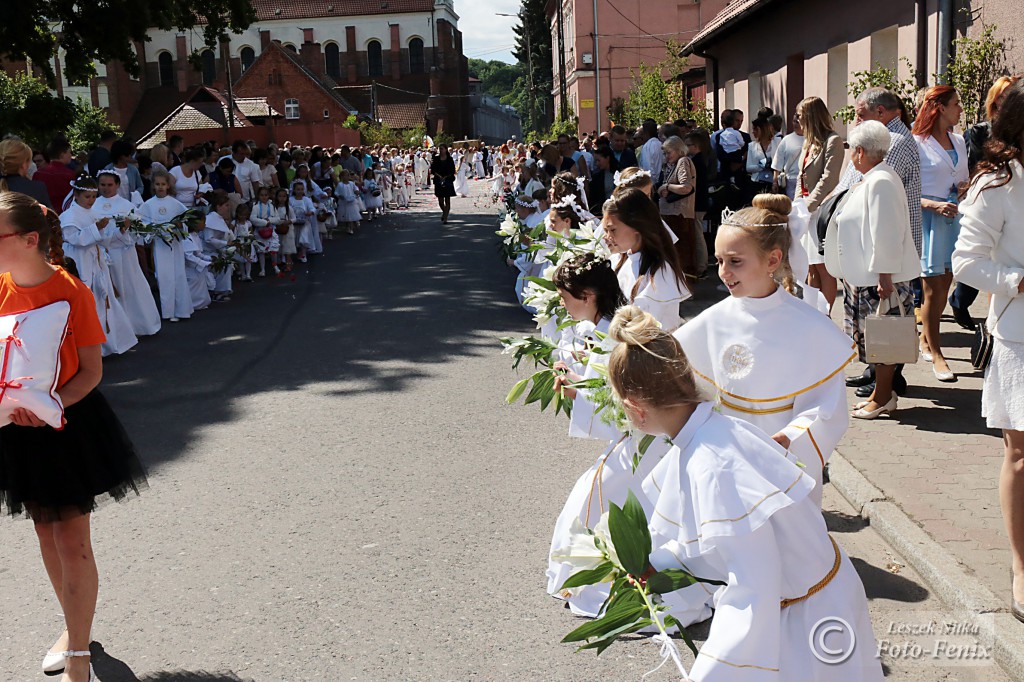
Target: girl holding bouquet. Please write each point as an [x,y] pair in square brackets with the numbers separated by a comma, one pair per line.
[726,504]
[57,477]
[285,228]
[86,237]
[168,254]
[242,227]
[264,220]
[216,237]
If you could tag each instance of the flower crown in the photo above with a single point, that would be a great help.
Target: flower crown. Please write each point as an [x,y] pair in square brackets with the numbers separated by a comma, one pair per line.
[577,268]
[81,187]
[532,203]
[727,219]
[569,201]
[634,179]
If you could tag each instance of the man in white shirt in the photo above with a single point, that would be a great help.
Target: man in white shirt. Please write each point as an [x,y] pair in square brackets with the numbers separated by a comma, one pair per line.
[651,156]
[246,171]
[787,159]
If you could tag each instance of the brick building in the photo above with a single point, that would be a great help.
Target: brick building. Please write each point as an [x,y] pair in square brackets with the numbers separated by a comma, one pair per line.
[409,51]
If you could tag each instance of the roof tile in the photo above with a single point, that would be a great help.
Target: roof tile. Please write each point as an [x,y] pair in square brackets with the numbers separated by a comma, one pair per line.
[267,10]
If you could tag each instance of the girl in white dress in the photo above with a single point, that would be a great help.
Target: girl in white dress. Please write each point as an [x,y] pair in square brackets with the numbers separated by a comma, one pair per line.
[242,227]
[201,280]
[85,239]
[130,284]
[462,171]
[478,164]
[326,218]
[725,504]
[168,256]
[384,180]
[371,195]
[305,218]
[401,187]
[216,237]
[766,356]
[647,265]
[264,221]
[348,207]
[285,228]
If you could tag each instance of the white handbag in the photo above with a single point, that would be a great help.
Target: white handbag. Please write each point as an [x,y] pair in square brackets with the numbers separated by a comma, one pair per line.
[30,362]
[891,339]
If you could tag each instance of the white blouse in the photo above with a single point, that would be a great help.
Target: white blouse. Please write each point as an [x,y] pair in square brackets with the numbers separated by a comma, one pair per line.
[940,177]
[658,293]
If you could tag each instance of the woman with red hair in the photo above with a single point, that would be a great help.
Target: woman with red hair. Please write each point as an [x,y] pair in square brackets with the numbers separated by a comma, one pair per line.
[943,171]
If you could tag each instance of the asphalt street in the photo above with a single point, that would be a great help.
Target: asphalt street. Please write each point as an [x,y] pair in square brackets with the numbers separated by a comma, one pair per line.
[338,491]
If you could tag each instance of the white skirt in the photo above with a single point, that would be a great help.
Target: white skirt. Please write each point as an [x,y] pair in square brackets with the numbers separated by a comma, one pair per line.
[1002,400]
[810,242]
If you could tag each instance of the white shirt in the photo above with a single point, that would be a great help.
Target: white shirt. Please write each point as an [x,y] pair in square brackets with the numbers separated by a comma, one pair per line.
[940,177]
[246,172]
[759,162]
[989,253]
[652,158]
[658,293]
[730,139]
[787,156]
[185,188]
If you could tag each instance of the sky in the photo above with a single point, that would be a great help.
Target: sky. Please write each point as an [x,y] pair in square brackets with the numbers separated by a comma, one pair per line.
[484,35]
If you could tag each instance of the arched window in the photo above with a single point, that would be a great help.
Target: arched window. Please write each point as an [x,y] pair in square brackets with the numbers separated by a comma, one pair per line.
[291,47]
[416,55]
[291,108]
[374,61]
[332,60]
[247,56]
[166,64]
[209,67]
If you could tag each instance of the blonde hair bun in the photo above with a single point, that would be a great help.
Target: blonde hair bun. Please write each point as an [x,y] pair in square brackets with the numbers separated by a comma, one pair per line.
[634,327]
[776,203]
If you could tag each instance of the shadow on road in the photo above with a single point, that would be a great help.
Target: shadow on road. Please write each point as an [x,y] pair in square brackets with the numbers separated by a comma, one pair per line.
[882,584]
[110,669]
[372,315]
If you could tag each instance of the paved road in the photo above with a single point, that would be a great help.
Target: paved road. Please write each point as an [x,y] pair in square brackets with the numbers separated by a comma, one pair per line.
[338,492]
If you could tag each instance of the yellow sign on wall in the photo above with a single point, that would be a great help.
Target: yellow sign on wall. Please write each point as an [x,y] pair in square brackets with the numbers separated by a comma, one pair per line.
[586,104]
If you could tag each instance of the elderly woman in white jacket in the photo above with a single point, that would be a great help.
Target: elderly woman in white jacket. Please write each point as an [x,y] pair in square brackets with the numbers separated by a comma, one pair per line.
[989,256]
[873,251]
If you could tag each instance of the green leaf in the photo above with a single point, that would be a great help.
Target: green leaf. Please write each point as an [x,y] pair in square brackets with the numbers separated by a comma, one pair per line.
[588,383]
[543,384]
[645,443]
[517,391]
[602,643]
[632,539]
[609,622]
[542,283]
[670,580]
[588,577]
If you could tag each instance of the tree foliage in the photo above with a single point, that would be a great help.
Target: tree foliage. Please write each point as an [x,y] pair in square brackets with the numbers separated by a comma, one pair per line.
[905,89]
[29,110]
[651,95]
[105,31]
[498,79]
[533,20]
[975,65]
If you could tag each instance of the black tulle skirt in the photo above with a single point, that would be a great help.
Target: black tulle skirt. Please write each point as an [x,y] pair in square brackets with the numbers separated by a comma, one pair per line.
[50,475]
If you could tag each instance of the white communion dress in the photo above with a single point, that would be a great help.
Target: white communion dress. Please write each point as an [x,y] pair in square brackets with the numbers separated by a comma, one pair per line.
[725,504]
[777,363]
[168,259]
[609,480]
[130,284]
[85,243]
[659,293]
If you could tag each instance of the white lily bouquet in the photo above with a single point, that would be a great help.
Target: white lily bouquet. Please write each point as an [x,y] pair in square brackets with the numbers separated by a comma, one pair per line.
[224,259]
[618,551]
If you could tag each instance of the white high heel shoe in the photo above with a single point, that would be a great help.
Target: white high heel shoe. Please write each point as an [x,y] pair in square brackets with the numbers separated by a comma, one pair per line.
[76,654]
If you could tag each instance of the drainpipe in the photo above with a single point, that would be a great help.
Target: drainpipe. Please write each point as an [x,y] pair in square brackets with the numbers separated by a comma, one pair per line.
[945,36]
[714,80]
[597,73]
[922,43]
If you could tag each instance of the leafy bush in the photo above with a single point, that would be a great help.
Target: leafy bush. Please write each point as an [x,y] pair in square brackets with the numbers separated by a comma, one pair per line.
[889,79]
[975,65]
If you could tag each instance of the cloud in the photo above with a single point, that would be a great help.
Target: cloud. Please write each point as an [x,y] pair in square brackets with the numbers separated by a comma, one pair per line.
[484,35]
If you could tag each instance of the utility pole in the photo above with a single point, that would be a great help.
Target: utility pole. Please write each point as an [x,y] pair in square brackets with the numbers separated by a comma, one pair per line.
[561,66]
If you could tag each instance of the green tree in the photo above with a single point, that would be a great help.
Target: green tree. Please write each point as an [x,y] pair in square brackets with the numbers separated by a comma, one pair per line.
[651,97]
[104,31]
[498,79]
[882,77]
[533,20]
[976,64]
[90,122]
[29,110]
[413,137]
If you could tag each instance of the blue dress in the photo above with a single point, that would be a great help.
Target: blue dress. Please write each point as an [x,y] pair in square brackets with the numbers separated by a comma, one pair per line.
[939,234]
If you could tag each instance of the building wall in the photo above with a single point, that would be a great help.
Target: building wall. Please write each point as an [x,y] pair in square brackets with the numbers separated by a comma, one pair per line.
[621,47]
[493,123]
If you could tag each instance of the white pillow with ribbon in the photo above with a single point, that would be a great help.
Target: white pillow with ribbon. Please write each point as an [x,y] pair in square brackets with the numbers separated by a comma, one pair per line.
[30,362]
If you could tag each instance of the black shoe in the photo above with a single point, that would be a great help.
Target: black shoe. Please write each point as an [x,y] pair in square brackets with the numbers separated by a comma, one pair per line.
[962,316]
[899,387]
[865,379]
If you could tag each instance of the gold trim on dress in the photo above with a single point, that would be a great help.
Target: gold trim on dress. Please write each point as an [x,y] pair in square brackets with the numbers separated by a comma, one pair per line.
[597,480]
[821,584]
[816,448]
[781,397]
[739,518]
[752,410]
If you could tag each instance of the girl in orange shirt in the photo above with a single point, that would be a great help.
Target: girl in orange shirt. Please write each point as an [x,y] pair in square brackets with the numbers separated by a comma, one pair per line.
[58,477]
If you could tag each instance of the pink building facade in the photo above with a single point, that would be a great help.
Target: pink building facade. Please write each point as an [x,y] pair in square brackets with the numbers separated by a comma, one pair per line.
[599,56]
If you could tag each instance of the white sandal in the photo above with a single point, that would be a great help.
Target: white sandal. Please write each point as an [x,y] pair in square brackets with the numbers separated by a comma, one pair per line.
[77,654]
